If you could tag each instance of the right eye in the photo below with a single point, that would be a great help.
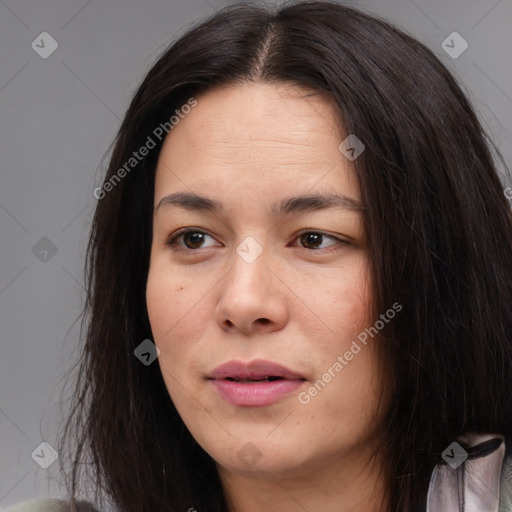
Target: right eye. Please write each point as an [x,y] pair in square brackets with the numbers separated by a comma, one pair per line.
[191,238]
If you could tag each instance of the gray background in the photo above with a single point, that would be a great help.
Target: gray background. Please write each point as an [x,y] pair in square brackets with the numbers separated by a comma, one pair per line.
[57,118]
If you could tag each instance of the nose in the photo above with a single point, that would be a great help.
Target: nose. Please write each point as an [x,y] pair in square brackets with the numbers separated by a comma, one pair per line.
[252,299]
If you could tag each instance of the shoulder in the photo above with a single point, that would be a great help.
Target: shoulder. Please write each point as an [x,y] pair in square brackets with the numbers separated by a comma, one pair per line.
[506,485]
[481,476]
[51,505]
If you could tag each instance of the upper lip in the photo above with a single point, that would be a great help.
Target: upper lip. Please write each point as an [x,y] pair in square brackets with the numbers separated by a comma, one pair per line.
[253,370]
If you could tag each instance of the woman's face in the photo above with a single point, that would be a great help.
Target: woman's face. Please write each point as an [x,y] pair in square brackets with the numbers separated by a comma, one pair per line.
[264,277]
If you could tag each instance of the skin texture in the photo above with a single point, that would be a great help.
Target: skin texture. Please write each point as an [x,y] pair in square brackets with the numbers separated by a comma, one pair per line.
[301,303]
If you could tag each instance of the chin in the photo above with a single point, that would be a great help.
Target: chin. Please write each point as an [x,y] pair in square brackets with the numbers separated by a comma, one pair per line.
[276,465]
[260,455]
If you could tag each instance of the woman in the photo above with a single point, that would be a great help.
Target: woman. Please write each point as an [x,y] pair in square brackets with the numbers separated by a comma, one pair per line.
[299,280]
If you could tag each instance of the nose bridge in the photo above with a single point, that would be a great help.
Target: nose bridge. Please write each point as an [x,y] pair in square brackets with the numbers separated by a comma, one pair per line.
[247,295]
[250,265]
[250,250]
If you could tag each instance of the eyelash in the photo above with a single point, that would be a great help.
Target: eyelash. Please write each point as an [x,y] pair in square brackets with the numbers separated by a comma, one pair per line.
[172,241]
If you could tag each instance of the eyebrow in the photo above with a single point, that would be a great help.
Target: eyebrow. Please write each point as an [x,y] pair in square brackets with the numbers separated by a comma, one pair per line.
[286,206]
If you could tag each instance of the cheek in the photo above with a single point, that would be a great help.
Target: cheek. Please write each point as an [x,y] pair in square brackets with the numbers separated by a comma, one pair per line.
[345,302]
[160,302]
[163,304]
[175,316]
[166,299]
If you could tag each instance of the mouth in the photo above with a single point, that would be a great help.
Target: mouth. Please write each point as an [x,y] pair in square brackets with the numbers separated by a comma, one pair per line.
[252,371]
[257,383]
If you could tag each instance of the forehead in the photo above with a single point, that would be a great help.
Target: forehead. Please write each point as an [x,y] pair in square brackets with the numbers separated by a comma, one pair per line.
[262,137]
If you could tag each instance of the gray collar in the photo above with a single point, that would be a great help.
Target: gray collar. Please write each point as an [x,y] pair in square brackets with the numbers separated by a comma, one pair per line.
[474,478]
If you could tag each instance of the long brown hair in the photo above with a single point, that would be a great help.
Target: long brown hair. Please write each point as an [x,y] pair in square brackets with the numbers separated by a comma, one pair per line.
[440,240]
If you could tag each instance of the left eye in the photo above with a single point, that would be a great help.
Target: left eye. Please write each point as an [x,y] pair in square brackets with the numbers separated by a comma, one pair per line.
[193,239]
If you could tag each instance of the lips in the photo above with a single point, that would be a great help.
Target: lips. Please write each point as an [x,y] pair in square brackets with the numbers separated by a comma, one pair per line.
[258,383]
[254,371]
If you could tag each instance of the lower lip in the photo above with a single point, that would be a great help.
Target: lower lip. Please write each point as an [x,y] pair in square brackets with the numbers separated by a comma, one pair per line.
[255,393]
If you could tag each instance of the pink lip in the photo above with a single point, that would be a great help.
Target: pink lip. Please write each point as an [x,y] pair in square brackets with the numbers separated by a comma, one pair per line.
[254,393]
